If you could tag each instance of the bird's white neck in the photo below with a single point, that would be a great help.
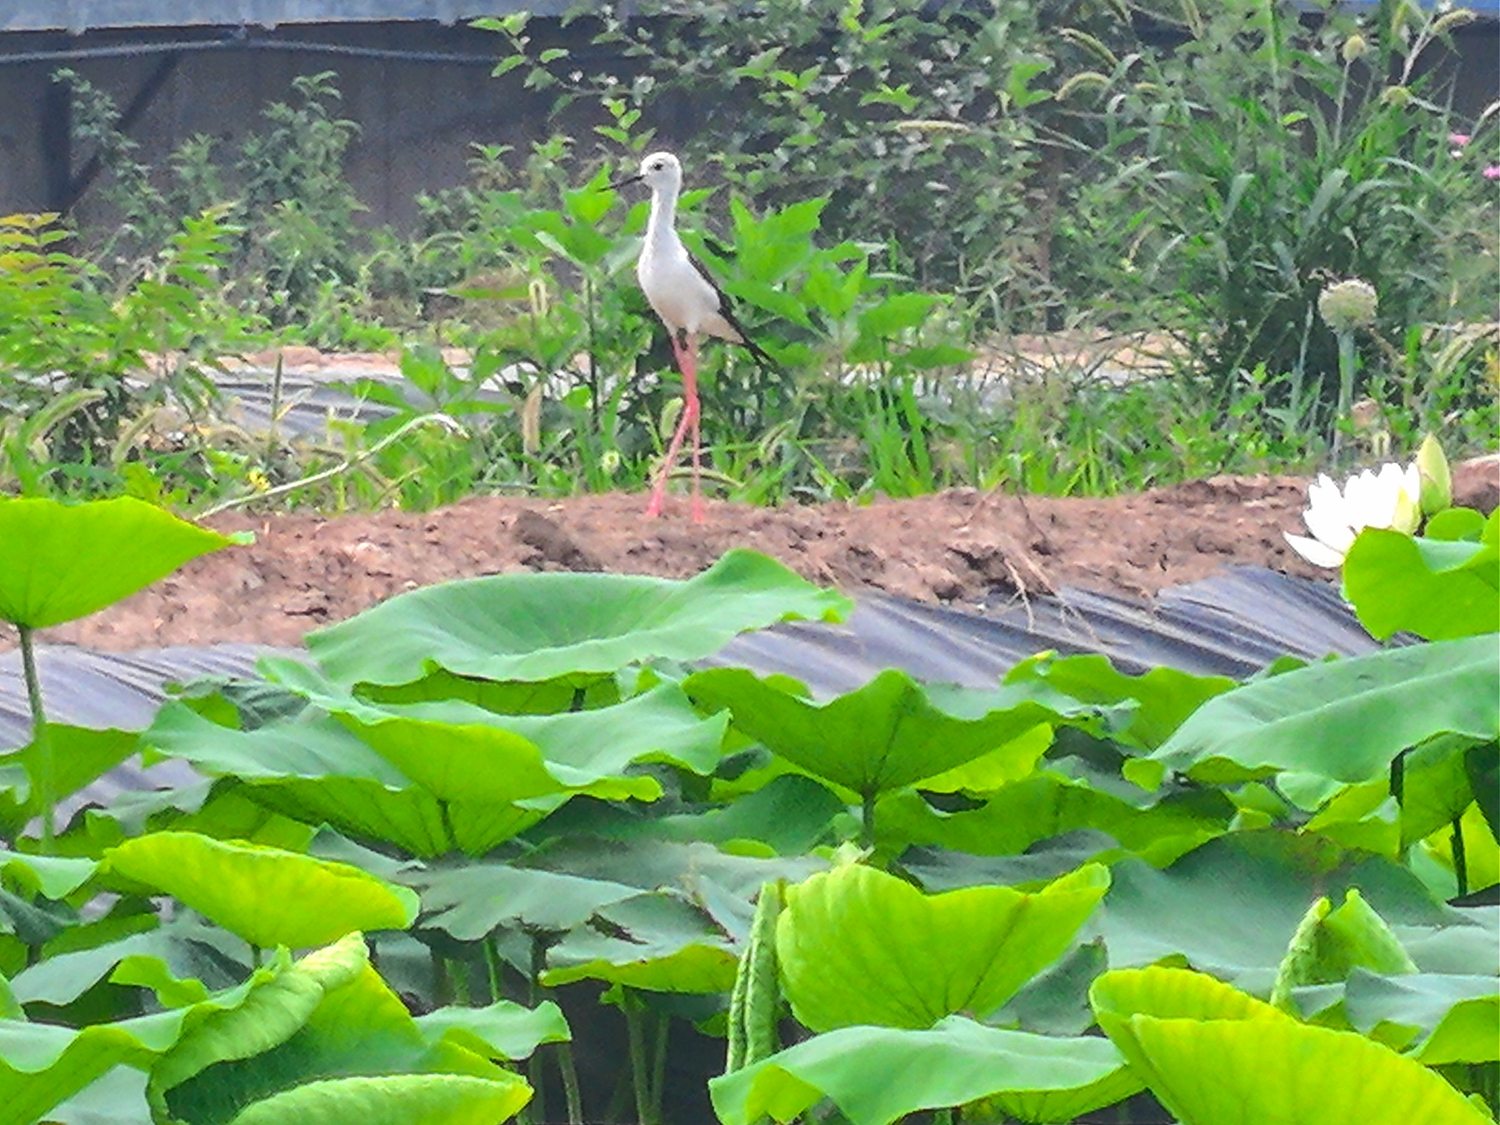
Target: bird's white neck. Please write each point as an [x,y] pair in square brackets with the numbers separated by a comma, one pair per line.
[660,232]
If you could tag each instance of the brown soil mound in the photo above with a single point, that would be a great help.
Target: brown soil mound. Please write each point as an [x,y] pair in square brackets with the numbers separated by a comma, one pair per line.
[963,547]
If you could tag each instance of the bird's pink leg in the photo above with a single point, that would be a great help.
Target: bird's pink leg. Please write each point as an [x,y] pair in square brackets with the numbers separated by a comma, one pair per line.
[694,410]
[685,364]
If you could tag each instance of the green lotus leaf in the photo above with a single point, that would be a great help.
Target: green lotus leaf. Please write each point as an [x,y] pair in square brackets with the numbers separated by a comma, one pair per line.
[61,561]
[79,756]
[654,942]
[179,959]
[1019,815]
[1232,906]
[540,626]
[1439,1018]
[857,946]
[267,896]
[878,1075]
[270,1014]
[883,736]
[398,1099]
[54,877]
[1438,590]
[1164,697]
[458,751]
[1346,719]
[1176,1027]
[43,1065]
[316,770]
[476,899]
[118,1098]
[503,1030]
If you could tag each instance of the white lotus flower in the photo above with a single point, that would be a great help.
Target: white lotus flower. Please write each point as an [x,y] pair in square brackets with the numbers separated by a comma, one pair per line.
[1389,498]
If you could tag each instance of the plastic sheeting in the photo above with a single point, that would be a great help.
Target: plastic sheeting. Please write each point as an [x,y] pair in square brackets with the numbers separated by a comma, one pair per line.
[1232,624]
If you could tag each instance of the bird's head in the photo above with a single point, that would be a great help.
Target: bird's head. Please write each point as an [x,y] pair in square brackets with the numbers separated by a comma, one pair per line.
[660,171]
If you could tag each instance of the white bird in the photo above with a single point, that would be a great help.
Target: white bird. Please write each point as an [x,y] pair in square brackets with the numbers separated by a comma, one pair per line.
[688,302]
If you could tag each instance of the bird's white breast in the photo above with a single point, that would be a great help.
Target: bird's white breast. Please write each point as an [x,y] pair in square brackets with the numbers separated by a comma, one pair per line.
[676,290]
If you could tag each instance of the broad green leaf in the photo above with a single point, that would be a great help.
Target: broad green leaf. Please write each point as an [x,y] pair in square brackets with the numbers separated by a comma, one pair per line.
[1019,815]
[885,735]
[504,1029]
[79,756]
[857,946]
[183,951]
[1436,1017]
[61,561]
[1176,1027]
[1436,589]
[118,1098]
[274,1011]
[397,1099]
[1346,719]
[1231,907]
[476,899]
[54,877]
[1165,697]
[540,626]
[878,1075]
[667,945]
[267,896]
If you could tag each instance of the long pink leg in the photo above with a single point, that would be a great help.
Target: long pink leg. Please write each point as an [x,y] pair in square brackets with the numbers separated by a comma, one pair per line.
[693,408]
[689,371]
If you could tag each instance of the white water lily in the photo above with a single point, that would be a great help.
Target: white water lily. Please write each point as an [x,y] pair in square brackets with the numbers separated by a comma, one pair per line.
[1389,498]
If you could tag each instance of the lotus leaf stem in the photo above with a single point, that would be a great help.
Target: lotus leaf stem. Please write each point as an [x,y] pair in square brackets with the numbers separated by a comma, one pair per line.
[41,737]
[570,1083]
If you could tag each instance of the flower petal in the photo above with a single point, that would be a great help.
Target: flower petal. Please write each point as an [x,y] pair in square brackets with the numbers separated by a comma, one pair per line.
[1319,554]
[1331,527]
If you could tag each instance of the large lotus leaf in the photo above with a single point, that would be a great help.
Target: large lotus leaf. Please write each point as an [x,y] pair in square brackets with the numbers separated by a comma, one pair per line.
[195,956]
[267,896]
[63,561]
[1164,697]
[788,816]
[503,1030]
[476,899]
[541,626]
[878,1075]
[655,942]
[1438,590]
[79,755]
[858,946]
[884,735]
[1346,719]
[54,877]
[1440,1018]
[119,1098]
[1047,805]
[269,1015]
[315,770]
[1207,1053]
[722,883]
[395,1099]
[1231,907]
[42,1065]
[459,751]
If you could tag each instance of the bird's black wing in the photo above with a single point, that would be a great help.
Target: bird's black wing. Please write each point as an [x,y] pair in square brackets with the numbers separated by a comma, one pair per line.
[726,310]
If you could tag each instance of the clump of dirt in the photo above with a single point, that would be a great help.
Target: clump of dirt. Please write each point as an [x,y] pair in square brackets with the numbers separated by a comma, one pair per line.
[961,547]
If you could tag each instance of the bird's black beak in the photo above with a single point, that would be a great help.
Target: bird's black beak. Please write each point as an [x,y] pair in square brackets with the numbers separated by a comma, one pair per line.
[615,185]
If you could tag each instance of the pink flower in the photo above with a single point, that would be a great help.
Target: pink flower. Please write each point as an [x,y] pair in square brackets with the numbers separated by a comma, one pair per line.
[1492,172]
[1458,140]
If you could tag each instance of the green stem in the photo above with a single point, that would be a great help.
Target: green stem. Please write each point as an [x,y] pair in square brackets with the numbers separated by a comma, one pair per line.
[867,821]
[1460,858]
[41,738]
[659,1069]
[458,976]
[1346,388]
[257,955]
[570,1083]
[640,1078]
[495,972]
